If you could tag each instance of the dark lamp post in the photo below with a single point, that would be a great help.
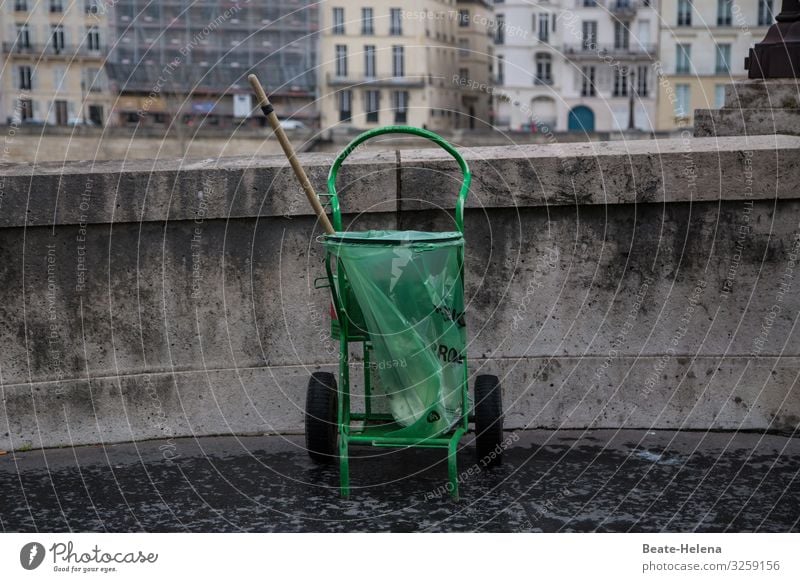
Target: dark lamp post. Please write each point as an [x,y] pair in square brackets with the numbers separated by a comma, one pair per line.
[778,55]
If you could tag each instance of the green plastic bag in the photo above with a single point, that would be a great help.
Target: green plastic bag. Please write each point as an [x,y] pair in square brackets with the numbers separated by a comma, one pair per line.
[410,294]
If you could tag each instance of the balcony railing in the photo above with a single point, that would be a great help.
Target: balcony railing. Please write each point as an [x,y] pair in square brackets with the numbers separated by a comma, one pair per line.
[594,51]
[623,7]
[411,82]
[48,50]
[618,7]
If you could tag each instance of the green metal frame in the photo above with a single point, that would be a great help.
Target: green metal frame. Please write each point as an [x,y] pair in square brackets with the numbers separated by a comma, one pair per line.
[380,435]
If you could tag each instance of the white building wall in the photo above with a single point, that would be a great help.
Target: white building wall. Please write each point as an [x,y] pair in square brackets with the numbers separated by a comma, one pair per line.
[566,18]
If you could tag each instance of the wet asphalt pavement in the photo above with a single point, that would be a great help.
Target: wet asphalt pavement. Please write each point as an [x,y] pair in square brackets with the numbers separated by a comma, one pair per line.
[601,480]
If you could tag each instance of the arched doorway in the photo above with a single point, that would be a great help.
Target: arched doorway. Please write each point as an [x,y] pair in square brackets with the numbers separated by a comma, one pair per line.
[581,118]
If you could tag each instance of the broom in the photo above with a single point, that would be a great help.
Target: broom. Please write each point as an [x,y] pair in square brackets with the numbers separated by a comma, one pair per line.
[272,118]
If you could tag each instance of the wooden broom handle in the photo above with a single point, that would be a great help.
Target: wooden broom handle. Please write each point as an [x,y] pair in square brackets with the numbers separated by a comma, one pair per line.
[272,118]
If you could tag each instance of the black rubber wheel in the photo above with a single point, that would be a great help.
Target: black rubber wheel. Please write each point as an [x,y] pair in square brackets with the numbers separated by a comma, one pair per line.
[322,431]
[488,420]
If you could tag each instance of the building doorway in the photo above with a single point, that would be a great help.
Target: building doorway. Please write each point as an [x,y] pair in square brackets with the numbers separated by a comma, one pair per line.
[581,118]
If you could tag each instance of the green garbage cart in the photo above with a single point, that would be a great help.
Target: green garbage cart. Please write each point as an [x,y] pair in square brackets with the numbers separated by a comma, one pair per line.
[401,295]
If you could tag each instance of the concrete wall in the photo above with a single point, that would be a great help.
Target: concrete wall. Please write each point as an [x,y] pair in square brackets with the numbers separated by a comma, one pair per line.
[753,107]
[647,284]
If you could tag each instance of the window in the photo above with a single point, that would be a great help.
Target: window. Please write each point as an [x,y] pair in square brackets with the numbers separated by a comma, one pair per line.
[93,80]
[57,37]
[25,78]
[23,36]
[372,99]
[96,115]
[684,12]
[543,70]
[62,112]
[642,73]
[400,103]
[369,60]
[25,109]
[463,73]
[396,22]
[93,38]
[589,30]
[723,58]
[341,60]
[765,16]
[544,27]
[620,82]
[463,18]
[621,35]
[20,5]
[345,105]
[500,29]
[367,21]
[588,88]
[501,70]
[719,96]
[724,13]
[56,6]
[681,100]
[463,47]
[589,3]
[338,21]
[398,61]
[683,58]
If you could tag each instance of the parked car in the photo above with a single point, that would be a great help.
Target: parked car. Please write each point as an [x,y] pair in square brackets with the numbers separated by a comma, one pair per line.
[293,124]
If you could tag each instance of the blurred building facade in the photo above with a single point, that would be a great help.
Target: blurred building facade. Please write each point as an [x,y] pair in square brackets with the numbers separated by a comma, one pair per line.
[189,59]
[475,63]
[384,63]
[576,65]
[552,65]
[53,53]
[703,44]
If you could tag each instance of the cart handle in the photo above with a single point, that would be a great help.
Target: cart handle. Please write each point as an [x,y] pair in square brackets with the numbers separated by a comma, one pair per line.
[437,139]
